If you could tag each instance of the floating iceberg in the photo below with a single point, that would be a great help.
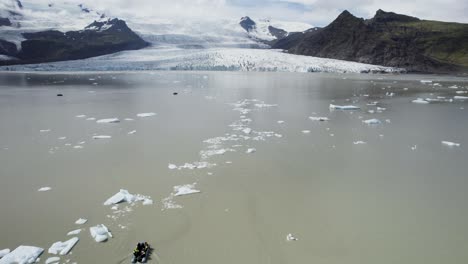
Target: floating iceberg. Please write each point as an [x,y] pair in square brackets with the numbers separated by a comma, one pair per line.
[420,101]
[250,150]
[102,137]
[100,233]
[108,120]
[426,81]
[305,131]
[74,232]
[247,130]
[81,221]
[44,189]
[146,114]
[343,107]
[451,144]
[359,142]
[460,97]
[172,166]
[319,118]
[185,189]
[290,237]
[372,121]
[77,147]
[81,116]
[132,132]
[280,121]
[52,260]
[3,252]
[125,196]
[23,255]
[44,130]
[63,248]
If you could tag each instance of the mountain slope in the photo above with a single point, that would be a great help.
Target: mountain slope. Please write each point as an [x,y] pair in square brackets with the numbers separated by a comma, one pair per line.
[387,39]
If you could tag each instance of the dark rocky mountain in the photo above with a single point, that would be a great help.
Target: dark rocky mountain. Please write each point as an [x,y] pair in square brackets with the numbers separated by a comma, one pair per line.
[277,32]
[99,38]
[4,21]
[7,48]
[387,39]
[247,24]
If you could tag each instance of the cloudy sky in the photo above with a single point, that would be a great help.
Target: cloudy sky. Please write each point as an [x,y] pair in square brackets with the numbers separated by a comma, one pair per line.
[315,12]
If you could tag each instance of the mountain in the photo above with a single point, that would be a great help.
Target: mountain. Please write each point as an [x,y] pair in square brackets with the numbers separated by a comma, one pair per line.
[99,38]
[269,31]
[387,39]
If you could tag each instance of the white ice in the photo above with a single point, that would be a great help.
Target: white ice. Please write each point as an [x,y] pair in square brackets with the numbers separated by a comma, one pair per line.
[23,255]
[102,137]
[426,81]
[108,120]
[420,101]
[372,121]
[306,131]
[81,221]
[52,260]
[460,97]
[359,142]
[247,130]
[250,150]
[74,232]
[63,248]
[3,252]
[313,118]
[132,132]
[100,233]
[185,189]
[451,144]
[146,114]
[343,107]
[44,189]
[125,196]
[290,237]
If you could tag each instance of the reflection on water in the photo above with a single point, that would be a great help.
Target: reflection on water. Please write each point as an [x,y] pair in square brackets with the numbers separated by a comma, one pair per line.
[398,198]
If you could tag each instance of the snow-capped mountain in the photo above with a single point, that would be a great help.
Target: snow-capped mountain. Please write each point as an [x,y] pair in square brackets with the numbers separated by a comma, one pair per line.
[204,43]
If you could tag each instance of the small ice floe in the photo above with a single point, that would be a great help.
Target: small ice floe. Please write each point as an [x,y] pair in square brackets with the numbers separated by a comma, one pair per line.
[343,107]
[63,248]
[129,119]
[451,144]
[132,132]
[420,101]
[359,142]
[263,105]
[81,221]
[381,109]
[460,97]
[290,237]
[108,120]
[186,189]
[3,252]
[62,138]
[319,118]
[52,260]
[168,203]
[100,233]
[247,130]
[102,137]
[426,81]
[414,147]
[461,92]
[80,116]
[280,122]
[77,147]
[44,130]
[389,94]
[44,189]
[90,119]
[250,150]
[74,232]
[453,87]
[372,121]
[125,196]
[172,166]
[146,114]
[22,254]
[305,131]
[191,166]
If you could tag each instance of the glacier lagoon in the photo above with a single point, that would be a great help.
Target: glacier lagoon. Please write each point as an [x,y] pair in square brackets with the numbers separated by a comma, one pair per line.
[232,175]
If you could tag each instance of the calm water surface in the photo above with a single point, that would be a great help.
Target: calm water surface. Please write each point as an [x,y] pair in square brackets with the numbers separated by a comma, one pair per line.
[400,198]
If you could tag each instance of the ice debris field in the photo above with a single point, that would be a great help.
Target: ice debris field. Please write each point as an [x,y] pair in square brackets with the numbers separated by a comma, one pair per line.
[240,137]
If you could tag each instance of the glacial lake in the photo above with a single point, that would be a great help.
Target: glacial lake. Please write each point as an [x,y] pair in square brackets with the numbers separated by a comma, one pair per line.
[349,192]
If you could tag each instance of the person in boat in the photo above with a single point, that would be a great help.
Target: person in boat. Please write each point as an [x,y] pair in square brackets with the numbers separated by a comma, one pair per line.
[140,251]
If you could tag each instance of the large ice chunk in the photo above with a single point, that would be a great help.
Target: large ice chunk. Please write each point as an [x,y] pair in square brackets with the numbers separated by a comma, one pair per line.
[81,221]
[100,233]
[3,252]
[125,196]
[185,189]
[343,107]
[63,248]
[451,144]
[23,255]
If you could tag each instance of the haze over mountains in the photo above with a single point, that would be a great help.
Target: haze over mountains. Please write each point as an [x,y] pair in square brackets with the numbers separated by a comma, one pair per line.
[31,32]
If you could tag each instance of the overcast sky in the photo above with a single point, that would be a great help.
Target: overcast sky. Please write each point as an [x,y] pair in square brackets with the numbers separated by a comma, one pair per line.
[315,12]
